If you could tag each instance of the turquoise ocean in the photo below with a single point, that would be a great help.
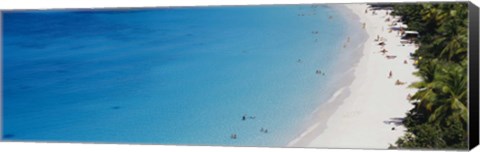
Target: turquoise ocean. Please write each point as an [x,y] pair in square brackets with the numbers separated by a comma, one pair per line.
[182,75]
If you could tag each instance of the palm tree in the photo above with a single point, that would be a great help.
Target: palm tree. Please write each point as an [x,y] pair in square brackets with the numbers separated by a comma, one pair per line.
[426,93]
[454,34]
[451,104]
[432,16]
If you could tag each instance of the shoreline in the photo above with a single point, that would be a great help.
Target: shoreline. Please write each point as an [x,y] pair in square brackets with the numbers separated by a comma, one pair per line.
[360,114]
[325,109]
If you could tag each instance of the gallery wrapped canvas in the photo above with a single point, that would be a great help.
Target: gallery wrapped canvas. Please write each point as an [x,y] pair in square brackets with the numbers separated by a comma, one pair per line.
[359,75]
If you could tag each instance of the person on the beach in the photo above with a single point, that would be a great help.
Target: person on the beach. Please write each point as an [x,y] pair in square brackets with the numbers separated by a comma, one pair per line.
[299,61]
[233,136]
[244,117]
[366,11]
[405,62]
[364,25]
[382,44]
[390,74]
[391,56]
[384,51]
[398,82]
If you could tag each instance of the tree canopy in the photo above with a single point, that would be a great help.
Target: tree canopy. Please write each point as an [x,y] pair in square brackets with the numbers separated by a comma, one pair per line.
[439,118]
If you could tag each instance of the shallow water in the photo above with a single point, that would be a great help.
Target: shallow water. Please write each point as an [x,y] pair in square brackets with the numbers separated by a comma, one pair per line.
[182,76]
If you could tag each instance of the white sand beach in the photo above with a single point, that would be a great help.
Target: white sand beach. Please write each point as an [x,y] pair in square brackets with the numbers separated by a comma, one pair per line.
[370,116]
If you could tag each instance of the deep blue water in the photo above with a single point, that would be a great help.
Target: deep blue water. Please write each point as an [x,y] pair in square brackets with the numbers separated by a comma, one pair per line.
[182,76]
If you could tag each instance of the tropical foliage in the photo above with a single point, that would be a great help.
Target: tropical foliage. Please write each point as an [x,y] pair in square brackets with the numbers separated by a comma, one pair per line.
[439,118]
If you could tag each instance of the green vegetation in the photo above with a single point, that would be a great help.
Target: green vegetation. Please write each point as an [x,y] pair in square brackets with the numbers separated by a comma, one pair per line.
[440,116]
